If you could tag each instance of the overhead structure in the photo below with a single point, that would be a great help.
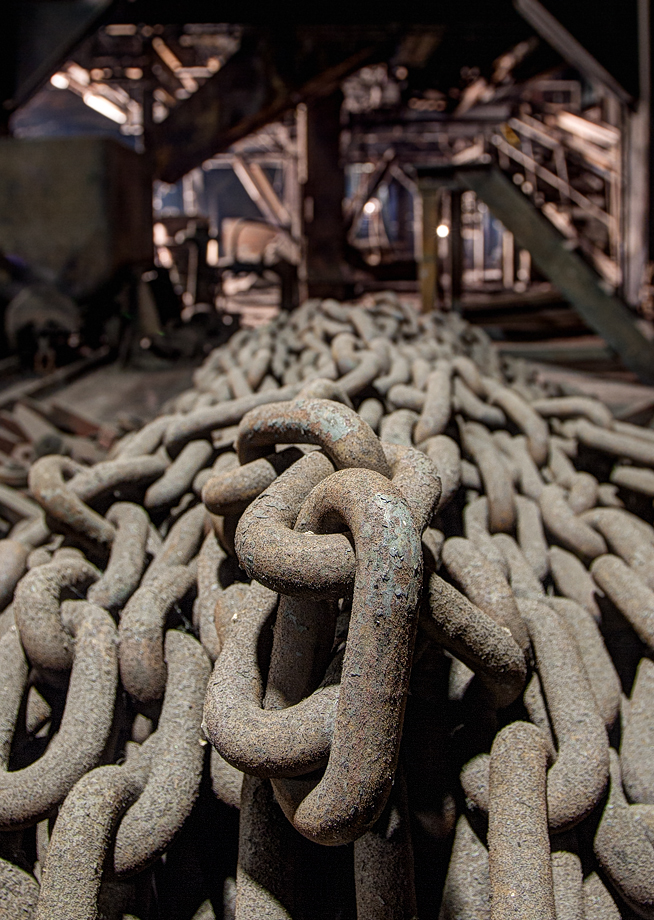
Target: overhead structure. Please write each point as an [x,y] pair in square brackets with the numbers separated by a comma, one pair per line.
[442,66]
[38,37]
[603,312]
[569,47]
[256,86]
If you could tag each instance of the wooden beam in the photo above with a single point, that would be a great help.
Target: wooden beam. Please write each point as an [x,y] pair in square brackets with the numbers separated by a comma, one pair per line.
[637,244]
[578,283]
[44,385]
[232,103]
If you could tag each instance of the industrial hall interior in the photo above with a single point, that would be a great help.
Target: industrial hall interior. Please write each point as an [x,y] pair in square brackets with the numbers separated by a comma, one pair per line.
[326,460]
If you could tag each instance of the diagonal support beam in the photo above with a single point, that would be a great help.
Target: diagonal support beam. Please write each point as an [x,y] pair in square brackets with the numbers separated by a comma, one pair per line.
[380,174]
[281,216]
[246,94]
[45,35]
[571,50]
[244,174]
[578,283]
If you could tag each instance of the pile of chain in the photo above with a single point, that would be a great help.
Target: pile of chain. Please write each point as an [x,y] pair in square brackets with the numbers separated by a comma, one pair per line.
[357,628]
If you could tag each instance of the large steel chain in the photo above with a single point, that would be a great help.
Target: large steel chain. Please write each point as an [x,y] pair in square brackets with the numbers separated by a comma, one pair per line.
[361,627]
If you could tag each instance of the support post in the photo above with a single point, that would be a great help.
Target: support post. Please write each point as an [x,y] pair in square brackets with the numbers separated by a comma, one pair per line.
[324,191]
[508,260]
[576,280]
[429,262]
[456,248]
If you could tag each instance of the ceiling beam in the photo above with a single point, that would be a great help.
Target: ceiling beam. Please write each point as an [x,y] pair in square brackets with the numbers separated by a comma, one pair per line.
[247,93]
[571,50]
[46,33]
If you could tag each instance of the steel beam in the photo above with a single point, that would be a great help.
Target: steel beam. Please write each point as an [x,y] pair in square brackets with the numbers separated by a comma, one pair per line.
[456,249]
[576,280]
[323,194]
[38,38]
[571,50]
[428,269]
[247,93]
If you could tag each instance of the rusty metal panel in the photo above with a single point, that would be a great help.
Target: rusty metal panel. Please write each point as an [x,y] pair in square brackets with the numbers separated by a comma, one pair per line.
[78,208]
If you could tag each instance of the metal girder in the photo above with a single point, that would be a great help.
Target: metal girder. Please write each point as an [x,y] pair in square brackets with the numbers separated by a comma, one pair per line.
[247,93]
[375,180]
[570,49]
[428,274]
[281,216]
[323,193]
[367,16]
[244,174]
[578,283]
[45,34]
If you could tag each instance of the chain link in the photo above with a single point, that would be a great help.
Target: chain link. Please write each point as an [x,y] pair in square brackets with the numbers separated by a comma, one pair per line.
[403,598]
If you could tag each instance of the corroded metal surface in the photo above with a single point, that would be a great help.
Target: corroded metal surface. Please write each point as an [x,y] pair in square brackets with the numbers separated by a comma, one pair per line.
[425,584]
[364,750]
[518,844]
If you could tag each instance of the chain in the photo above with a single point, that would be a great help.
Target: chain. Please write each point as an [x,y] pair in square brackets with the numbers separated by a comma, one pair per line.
[360,626]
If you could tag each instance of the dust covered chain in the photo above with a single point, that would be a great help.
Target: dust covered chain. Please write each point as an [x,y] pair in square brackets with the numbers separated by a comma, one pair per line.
[425,584]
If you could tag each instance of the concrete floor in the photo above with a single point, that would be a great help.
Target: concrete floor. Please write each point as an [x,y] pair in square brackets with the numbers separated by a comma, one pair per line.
[111,391]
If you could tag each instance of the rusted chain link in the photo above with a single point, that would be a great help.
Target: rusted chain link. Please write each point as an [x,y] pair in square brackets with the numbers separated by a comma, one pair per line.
[37,609]
[395,552]
[30,793]
[520,870]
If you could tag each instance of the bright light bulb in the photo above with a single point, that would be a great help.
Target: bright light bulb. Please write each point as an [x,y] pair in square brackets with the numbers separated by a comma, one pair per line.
[160,234]
[212,252]
[60,80]
[370,207]
[79,74]
[164,256]
[442,230]
[105,107]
